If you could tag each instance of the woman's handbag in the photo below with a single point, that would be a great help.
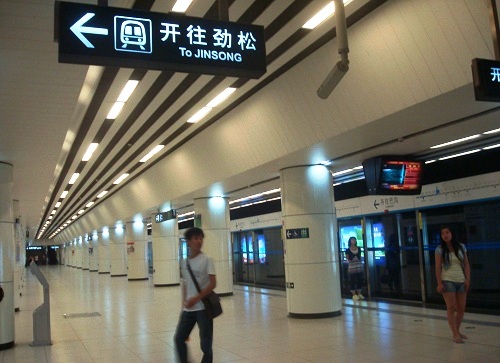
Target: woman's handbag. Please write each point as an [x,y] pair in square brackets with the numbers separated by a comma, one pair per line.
[211,301]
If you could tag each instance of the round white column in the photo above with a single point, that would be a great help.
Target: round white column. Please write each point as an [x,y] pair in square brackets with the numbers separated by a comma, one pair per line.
[78,252]
[70,253]
[104,257]
[93,252]
[117,251]
[165,239]
[7,329]
[85,252]
[18,266]
[136,235]
[311,259]
[214,216]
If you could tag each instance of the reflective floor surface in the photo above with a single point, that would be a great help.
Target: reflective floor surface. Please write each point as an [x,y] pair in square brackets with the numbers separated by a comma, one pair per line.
[98,318]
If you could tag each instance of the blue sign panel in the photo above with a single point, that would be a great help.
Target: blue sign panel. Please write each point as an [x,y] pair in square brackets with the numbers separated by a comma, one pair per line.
[108,36]
[486,76]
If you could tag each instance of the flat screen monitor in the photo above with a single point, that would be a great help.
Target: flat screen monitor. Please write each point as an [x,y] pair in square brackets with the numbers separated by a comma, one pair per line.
[393,176]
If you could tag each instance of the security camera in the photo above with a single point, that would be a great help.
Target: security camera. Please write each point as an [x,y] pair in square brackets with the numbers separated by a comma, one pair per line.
[333,79]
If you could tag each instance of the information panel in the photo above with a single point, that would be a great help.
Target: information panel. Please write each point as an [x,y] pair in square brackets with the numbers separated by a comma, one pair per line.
[108,36]
[486,76]
[165,216]
[297,233]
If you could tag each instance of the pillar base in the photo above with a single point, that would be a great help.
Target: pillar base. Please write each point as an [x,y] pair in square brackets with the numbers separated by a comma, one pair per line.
[138,279]
[166,285]
[104,272]
[119,275]
[315,316]
[226,294]
[7,345]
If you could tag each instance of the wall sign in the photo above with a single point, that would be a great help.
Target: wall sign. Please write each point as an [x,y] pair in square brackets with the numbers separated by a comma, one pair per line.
[297,233]
[108,36]
[486,76]
[165,216]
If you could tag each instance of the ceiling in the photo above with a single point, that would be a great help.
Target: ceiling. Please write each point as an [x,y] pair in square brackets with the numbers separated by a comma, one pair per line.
[50,112]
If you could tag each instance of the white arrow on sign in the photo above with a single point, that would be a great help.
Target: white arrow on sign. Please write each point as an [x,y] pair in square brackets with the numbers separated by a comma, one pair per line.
[78,29]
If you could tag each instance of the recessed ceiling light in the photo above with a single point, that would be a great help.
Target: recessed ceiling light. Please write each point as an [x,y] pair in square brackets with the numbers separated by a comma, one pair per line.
[199,115]
[121,178]
[181,6]
[73,178]
[127,91]
[115,110]
[90,151]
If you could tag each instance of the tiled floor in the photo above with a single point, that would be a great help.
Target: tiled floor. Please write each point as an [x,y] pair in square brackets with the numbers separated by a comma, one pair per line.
[137,322]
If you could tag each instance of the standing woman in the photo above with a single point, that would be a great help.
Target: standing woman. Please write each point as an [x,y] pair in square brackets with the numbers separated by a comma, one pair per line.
[355,269]
[453,279]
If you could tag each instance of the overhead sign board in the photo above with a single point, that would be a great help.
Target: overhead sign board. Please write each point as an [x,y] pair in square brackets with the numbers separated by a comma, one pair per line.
[108,36]
[297,233]
[165,216]
[486,76]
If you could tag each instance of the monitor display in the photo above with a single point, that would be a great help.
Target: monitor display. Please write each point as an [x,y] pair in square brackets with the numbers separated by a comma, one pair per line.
[393,176]
[401,176]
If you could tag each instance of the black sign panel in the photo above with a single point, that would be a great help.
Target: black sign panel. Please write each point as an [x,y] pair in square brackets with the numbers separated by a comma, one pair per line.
[165,216]
[486,75]
[110,36]
[297,233]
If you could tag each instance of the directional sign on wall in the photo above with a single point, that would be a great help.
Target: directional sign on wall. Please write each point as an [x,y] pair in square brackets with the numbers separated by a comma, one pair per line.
[108,36]
[165,216]
[297,233]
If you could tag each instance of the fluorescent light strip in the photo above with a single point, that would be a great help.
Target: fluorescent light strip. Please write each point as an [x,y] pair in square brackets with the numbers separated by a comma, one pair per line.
[185,214]
[491,147]
[53,212]
[121,178]
[81,211]
[73,178]
[64,194]
[322,15]
[102,194]
[430,161]
[221,97]
[272,191]
[115,110]
[127,91]
[491,132]
[181,6]
[89,204]
[460,154]
[455,141]
[345,171]
[199,115]
[151,153]
[90,151]
[58,204]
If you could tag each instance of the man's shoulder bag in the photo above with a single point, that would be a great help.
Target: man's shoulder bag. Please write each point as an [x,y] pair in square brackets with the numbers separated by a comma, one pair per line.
[211,301]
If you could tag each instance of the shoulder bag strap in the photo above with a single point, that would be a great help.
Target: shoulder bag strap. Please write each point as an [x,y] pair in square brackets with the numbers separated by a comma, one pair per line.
[192,276]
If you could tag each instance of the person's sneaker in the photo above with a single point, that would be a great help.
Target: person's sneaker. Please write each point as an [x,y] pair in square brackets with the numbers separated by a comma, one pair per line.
[360,297]
[355,297]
